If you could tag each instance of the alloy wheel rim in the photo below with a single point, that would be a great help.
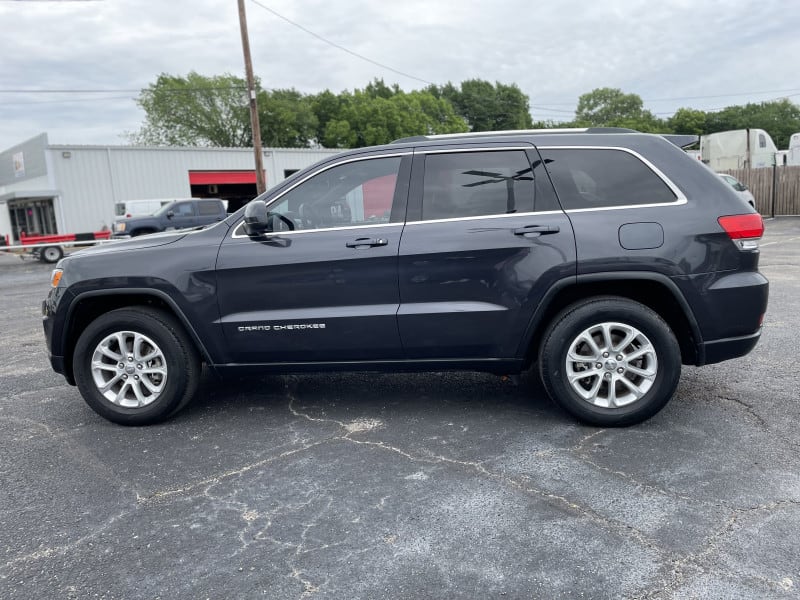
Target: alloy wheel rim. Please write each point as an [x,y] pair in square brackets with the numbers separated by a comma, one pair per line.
[611,365]
[129,369]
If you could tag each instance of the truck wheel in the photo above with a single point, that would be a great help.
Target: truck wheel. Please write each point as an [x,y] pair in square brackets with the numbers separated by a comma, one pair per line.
[138,232]
[610,361]
[51,254]
[136,366]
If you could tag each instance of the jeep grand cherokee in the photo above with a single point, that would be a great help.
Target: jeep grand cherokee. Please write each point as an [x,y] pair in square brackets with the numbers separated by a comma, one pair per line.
[606,258]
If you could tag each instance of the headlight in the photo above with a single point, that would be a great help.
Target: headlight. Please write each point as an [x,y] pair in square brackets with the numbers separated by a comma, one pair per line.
[55,277]
[119,227]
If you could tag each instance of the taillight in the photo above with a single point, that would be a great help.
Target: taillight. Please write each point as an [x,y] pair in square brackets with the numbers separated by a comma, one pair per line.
[745,230]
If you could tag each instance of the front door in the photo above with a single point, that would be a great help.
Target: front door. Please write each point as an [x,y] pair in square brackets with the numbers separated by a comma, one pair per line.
[183,216]
[485,239]
[323,287]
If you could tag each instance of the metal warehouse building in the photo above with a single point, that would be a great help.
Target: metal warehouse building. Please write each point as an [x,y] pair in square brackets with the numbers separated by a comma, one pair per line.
[49,189]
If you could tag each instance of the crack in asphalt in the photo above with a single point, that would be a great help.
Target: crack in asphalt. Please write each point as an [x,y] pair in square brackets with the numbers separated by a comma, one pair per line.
[63,549]
[749,409]
[215,479]
[711,546]
[681,567]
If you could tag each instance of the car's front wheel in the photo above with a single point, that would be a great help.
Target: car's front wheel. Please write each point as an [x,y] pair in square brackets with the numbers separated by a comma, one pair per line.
[136,366]
[610,361]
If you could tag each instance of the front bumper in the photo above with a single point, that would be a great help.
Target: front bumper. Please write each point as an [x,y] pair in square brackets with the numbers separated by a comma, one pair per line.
[49,324]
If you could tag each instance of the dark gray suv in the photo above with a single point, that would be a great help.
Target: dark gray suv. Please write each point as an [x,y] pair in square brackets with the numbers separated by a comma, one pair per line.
[180,214]
[606,258]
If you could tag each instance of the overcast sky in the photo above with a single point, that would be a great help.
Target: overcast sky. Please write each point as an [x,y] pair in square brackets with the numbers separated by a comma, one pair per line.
[673,53]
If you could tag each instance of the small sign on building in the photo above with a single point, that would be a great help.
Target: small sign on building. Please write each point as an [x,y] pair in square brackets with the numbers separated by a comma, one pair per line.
[19,164]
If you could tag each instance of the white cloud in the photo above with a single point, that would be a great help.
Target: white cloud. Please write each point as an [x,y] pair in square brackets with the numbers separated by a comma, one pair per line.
[554,51]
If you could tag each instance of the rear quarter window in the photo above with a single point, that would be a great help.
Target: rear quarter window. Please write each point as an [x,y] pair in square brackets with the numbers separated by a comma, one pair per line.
[209,208]
[603,177]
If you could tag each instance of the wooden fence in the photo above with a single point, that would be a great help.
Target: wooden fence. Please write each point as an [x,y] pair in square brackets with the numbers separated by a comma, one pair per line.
[777,190]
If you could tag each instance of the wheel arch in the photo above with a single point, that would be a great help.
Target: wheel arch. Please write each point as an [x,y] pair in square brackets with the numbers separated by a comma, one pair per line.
[86,307]
[143,231]
[653,290]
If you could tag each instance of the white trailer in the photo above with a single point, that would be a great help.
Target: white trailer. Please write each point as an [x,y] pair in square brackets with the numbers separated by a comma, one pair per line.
[738,149]
[793,154]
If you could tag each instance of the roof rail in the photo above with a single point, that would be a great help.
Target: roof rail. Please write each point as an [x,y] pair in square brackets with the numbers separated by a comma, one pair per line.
[455,136]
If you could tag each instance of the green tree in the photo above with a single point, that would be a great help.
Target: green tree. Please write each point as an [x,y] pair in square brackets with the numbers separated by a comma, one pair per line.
[378,89]
[487,107]
[688,120]
[287,119]
[327,107]
[379,114]
[604,107]
[195,111]
[610,107]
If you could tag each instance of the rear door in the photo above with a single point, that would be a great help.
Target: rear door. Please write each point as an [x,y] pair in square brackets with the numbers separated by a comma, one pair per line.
[209,211]
[326,290]
[485,239]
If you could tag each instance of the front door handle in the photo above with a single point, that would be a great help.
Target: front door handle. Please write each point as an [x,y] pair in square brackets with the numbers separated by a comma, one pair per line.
[367,242]
[537,229]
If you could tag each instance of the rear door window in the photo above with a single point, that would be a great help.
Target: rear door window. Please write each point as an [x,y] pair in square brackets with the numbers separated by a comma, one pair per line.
[470,184]
[586,178]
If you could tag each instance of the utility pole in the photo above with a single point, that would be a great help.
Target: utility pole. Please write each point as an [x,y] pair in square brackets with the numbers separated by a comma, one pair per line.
[251,94]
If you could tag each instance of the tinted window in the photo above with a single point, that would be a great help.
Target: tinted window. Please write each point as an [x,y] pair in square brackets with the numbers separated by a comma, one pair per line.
[596,178]
[208,208]
[762,140]
[468,184]
[356,193]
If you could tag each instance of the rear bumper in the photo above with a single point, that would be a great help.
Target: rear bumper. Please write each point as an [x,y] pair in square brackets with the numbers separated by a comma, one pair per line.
[729,309]
[726,349]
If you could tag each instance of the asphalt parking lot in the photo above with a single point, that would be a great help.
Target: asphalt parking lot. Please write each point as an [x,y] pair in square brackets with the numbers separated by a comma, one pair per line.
[403,486]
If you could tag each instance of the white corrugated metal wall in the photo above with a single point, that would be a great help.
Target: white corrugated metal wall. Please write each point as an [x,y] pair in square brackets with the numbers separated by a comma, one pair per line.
[91,179]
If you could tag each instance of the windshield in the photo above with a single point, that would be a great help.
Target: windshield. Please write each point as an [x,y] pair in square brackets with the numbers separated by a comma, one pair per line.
[164,209]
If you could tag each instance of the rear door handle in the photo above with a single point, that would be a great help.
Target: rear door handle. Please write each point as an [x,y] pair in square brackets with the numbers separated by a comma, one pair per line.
[367,242]
[537,229]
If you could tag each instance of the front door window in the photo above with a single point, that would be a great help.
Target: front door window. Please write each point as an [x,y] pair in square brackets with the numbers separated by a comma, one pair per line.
[359,193]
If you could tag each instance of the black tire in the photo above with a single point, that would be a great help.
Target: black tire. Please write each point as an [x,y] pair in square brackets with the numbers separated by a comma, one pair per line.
[51,254]
[138,232]
[165,344]
[646,382]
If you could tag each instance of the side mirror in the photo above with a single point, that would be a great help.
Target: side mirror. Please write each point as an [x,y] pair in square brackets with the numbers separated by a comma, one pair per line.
[256,219]
[170,214]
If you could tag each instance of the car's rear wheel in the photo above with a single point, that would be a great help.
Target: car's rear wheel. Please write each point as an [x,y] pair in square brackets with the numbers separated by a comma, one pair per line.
[136,366]
[610,361]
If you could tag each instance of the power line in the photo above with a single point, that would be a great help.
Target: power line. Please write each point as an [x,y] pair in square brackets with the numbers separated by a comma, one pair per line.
[339,46]
[118,91]
[698,97]
[67,101]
